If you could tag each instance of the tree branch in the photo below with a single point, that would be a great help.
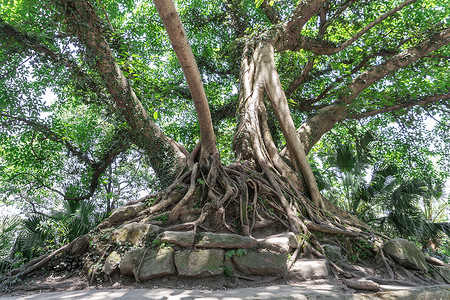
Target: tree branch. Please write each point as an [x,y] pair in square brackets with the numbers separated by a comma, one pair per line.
[300,79]
[419,102]
[318,46]
[271,13]
[325,118]
[29,42]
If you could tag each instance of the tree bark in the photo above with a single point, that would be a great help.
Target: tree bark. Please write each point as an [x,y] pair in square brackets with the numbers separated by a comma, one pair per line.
[178,38]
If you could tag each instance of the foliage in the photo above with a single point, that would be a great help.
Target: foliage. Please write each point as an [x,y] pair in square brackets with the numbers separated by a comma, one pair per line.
[367,184]
[28,238]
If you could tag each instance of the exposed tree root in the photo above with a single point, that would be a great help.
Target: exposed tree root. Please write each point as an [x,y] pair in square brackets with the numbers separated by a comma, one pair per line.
[242,199]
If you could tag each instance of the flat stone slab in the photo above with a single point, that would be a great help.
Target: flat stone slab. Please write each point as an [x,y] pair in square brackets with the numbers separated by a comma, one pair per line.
[265,263]
[183,239]
[309,269]
[155,263]
[362,284]
[199,263]
[225,241]
[134,233]
[281,243]
[126,212]
[406,254]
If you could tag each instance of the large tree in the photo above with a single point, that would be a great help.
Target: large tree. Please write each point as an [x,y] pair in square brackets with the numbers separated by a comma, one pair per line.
[300,69]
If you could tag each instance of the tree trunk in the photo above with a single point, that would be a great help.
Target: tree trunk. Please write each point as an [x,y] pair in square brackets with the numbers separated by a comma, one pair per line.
[178,38]
[259,76]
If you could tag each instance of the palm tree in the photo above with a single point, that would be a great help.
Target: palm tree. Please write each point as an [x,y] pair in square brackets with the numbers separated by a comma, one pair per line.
[410,208]
[41,232]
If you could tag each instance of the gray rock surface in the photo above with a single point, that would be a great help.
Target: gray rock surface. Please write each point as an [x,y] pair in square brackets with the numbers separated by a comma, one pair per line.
[200,263]
[111,263]
[362,284]
[181,238]
[332,252]
[225,241]
[155,263]
[266,263]
[309,269]
[124,213]
[406,254]
[281,243]
[134,233]
[275,292]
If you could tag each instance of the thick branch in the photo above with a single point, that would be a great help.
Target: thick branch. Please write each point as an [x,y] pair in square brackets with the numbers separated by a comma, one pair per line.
[264,56]
[324,120]
[178,38]
[318,46]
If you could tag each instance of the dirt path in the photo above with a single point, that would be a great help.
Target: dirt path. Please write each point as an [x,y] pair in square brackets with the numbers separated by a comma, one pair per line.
[285,292]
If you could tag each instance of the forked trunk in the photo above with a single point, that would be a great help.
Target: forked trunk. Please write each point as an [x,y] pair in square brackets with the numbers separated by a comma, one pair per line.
[259,77]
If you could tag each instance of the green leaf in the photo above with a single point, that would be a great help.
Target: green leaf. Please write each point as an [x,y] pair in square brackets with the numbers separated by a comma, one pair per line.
[155,115]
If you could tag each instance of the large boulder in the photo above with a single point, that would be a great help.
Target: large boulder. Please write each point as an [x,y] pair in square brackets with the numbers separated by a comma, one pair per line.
[406,254]
[225,241]
[134,233]
[265,263]
[147,263]
[309,269]
[183,239]
[200,263]
[126,212]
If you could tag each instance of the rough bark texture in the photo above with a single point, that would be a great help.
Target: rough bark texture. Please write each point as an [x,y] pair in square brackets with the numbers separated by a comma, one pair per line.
[178,38]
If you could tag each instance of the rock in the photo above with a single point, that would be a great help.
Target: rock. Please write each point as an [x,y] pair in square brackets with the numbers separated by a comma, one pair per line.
[80,244]
[406,254]
[281,243]
[183,239]
[309,269]
[362,284]
[111,263]
[200,263]
[134,233]
[266,263]
[156,263]
[332,252]
[225,241]
[434,261]
[126,212]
